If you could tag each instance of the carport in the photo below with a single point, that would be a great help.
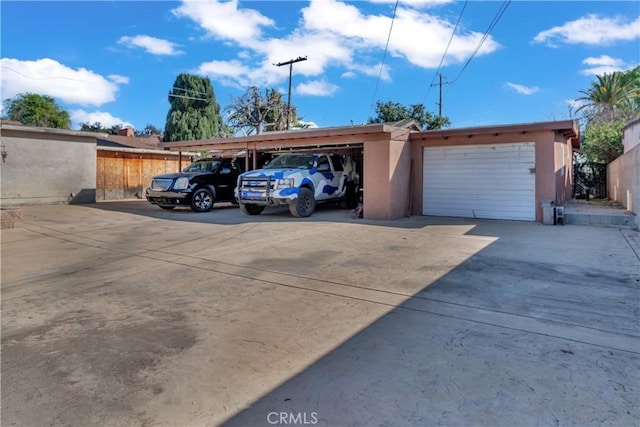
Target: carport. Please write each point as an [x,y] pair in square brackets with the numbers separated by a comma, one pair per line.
[381,150]
[493,172]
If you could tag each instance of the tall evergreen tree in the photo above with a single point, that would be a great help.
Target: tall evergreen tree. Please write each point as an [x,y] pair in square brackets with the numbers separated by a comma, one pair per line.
[194,113]
[32,109]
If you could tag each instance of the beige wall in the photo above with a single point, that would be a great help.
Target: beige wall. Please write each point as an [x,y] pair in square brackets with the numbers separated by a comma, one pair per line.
[631,135]
[623,180]
[47,166]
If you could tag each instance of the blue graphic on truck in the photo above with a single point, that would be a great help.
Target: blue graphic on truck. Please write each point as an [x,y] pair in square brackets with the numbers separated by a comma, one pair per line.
[299,181]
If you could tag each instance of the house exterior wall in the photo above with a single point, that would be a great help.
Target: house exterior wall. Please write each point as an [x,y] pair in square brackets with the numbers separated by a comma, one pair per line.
[631,135]
[563,165]
[547,160]
[125,174]
[47,167]
[623,180]
[376,185]
[399,178]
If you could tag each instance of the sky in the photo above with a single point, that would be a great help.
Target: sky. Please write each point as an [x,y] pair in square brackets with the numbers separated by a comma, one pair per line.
[114,62]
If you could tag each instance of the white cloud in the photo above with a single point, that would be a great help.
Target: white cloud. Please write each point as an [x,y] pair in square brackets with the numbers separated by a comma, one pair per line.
[152,45]
[307,125]
[603,64]
[225,20]
[105,119]
[416,3]
[49,77]
[591,30]
[116,78]
[331,34]
[524,90]
[418,37]
[574,104]
[316,88]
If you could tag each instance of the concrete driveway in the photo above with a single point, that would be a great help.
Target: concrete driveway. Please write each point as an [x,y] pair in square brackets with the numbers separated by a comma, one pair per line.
[120,314]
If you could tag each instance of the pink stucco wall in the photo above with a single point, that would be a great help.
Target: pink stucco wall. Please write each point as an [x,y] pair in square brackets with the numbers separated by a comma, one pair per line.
[548,158]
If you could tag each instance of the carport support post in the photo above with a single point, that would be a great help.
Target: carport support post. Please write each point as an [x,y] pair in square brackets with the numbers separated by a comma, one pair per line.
[179,161]
[255,158]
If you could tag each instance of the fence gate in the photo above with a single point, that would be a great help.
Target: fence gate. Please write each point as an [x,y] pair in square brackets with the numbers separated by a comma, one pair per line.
[590,180]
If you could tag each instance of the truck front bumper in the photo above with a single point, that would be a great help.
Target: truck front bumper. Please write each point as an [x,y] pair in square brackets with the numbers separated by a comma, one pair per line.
[282,197]
[168,198]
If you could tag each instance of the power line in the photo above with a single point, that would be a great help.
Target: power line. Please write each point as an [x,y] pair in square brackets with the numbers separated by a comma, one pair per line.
[496,18]
[443,56]
[384,56]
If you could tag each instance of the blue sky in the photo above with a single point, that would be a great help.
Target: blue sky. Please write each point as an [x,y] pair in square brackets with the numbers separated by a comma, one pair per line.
[115,61]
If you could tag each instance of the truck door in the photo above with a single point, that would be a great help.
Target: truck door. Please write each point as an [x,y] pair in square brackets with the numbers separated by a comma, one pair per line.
[227,178]
[329,186]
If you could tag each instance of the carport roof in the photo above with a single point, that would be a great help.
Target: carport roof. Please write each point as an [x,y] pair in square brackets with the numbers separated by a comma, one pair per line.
[568,128]
[300,138]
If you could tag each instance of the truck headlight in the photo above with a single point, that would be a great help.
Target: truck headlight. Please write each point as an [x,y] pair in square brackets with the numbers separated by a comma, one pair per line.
[285,183]
[181,183]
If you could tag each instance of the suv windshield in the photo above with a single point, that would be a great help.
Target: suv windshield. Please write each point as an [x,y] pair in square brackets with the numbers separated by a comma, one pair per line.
[203,166]
[291,161]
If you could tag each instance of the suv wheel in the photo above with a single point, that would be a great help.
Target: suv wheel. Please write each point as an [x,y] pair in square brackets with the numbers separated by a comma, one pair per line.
[251,209]
[304,205]
[202,200]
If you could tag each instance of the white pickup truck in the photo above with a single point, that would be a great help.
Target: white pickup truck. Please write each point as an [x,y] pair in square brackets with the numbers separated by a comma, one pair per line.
[298,180]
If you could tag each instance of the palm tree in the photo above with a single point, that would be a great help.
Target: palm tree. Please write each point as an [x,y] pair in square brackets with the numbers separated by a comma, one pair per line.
[612,96]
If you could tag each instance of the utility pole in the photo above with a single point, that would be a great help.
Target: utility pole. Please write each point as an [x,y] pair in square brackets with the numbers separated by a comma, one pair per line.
[290,64]
[440,103]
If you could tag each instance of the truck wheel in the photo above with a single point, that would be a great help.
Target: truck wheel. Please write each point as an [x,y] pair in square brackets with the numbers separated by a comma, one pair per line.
[202,200]
[304,205]
[251,209]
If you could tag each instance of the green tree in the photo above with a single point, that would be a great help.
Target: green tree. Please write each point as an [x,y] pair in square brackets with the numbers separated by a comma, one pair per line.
[612,97]
[194,112]
[32,109]
[253,113]
[149,129]
[394,112]
[98,127]
[603,141]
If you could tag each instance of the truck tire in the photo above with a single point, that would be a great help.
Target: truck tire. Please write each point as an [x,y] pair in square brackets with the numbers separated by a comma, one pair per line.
[304,205]
[251,209]
[202,200]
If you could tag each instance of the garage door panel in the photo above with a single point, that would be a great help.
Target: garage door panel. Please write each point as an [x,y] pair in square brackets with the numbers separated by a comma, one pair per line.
[494,181]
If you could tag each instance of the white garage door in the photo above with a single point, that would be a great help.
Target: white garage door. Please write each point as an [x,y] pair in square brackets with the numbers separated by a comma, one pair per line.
[484,181]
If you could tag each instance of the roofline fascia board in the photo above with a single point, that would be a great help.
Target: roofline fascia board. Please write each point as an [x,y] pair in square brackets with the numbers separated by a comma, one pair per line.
[568,127]
[376,128]
[39,130]
[145,151]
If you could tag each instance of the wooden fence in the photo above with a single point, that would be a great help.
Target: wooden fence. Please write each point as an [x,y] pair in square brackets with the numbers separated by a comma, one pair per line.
[125,175]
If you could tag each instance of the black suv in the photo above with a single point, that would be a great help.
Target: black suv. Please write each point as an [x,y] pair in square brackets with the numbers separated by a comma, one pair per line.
[199,185]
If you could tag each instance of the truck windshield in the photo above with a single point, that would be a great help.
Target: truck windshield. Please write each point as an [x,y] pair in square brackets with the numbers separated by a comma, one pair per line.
[291,161]
[203,166]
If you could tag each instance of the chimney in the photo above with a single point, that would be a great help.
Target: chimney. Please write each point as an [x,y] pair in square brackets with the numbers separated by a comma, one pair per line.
[126,132]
